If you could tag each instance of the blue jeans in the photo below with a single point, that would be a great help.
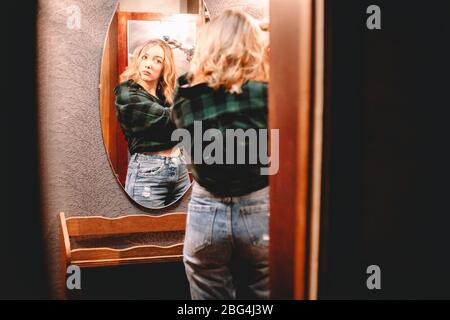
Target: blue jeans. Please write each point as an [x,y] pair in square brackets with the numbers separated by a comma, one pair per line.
[156,181]
[226,245]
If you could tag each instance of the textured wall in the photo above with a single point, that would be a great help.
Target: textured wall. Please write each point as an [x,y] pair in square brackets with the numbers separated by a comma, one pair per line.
[162,6]
[257,8]
[75,173]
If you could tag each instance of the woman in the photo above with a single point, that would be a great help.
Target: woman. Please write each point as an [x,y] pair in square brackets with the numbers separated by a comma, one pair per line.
[157,174]
[226,242]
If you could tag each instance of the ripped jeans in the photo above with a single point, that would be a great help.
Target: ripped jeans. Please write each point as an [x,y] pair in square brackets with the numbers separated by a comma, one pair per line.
[155,181]
[226,245]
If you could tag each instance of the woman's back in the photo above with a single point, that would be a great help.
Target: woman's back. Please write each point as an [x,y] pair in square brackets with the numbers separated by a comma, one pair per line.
[236,118]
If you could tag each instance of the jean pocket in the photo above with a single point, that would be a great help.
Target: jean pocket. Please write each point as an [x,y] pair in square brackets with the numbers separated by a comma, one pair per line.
[256,220]
[130,182]
[149,169]
[199,227]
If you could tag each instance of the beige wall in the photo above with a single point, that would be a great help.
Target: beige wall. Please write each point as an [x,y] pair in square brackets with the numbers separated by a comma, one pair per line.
[162,6]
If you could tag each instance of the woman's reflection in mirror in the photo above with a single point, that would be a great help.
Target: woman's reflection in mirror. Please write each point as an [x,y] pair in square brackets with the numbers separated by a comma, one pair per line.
[157,173]
[226,242]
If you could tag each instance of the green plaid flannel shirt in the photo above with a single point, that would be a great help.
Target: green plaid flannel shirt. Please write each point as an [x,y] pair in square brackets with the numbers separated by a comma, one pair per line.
[222,110]
[144,119]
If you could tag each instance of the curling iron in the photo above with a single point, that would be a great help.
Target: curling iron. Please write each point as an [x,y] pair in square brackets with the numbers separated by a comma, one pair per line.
[189,51]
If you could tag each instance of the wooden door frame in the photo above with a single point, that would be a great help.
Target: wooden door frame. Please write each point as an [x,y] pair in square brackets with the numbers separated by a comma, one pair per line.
[296,109]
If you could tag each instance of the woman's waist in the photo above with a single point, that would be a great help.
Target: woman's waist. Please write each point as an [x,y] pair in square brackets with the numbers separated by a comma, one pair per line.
[253,192]
[168,155]
[171,152]
[142,146]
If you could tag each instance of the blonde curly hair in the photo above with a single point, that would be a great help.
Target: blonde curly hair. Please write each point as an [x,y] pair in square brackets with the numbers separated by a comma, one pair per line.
[230,50]
[168,78]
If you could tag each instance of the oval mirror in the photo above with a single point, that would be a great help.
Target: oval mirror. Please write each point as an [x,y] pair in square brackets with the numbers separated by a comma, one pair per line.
[143,55]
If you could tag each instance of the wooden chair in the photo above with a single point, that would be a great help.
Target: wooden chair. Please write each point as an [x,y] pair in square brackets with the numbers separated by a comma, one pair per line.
[96,227]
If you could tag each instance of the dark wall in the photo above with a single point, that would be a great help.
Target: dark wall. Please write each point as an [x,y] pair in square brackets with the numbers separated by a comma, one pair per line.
[22,260]
[387,139]
[154,281]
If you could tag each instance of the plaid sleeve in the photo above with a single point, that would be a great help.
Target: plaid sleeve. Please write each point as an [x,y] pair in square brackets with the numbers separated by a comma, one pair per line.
[203,103]
[138,114]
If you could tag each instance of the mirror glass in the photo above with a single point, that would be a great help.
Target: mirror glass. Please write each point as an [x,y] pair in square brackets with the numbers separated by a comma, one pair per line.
[146,49]
[148,45]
